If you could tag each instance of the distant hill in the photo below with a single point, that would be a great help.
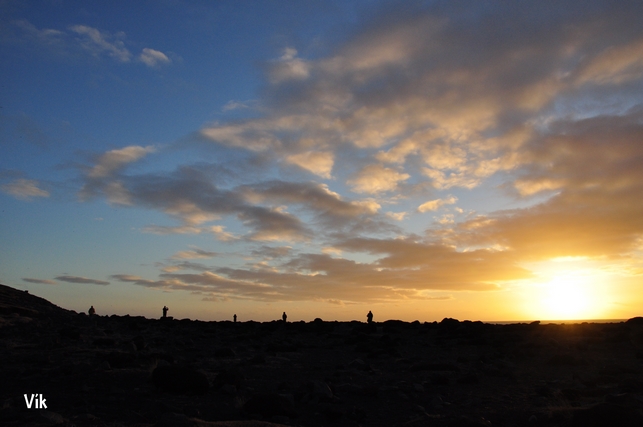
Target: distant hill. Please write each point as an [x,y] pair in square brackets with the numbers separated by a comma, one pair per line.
[23,303]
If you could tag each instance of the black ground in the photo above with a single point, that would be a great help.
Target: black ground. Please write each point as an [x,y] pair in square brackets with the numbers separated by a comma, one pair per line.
[123,370]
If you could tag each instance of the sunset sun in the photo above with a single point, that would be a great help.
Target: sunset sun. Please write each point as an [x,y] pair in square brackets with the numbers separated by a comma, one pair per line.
[569,296]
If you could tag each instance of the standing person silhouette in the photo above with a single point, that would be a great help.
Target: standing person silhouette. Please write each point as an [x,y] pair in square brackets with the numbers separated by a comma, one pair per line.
[235,318]
[369,317]
[91,311]
[284,317]
[165,309]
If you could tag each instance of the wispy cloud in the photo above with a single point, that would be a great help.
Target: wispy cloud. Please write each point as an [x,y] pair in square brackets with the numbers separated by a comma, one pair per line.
[152,57]
[434,205]
[24,189]
[196,253]
[98,42]
[39,281]
[83,280]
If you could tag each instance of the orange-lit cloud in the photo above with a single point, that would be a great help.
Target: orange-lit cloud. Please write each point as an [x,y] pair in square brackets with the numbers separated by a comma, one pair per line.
[534,129]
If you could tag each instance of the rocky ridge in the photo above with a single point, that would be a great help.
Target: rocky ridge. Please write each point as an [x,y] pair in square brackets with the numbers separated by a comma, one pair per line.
[133,371]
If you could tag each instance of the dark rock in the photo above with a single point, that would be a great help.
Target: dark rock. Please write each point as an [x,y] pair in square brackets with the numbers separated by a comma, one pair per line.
[316,390]
[531,374]
[607,415]
[180,380]
[104,342]
[331,412]
[438,379]
[282,347]
[70,333]
[172,419]
[224,352]
[449,323]
[468,379]
[257,359]
[269,405]
[120,360]
[48,418]
[465,421]
[565,360]
[232,376]
[434,366]
[139,342]
[360,365]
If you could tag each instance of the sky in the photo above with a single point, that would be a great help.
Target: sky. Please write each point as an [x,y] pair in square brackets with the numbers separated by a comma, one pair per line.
[478,160]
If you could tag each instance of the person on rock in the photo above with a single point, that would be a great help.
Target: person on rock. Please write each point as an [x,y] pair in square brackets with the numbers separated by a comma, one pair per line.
[369,317]
[284,317]
[91,311]
[165,309]
[235,318]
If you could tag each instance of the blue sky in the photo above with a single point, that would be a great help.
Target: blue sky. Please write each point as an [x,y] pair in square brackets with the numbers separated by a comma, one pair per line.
[419,159]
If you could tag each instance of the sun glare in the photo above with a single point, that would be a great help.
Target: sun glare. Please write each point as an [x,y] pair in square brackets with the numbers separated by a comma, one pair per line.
[567,297]
[571,288]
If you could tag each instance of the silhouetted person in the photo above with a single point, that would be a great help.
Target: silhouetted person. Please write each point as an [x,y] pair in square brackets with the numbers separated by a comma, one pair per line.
[283,316]
[165,309]
[369,317]
[235,318]
[91,311]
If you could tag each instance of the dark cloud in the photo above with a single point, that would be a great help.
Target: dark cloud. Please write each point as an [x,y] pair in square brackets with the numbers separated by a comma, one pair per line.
[269,252]
[39,281]
[83,280]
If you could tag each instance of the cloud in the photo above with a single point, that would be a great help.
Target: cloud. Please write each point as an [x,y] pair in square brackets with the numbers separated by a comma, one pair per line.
[274,224]
[114,160]
[434,205]
[98,42]
[289,67]
[523,105]
[397,216]
[101,178]
[316,197]
[218,231]
[238,105]
[164,230]
[318,163]
[374,179]
[196,253]
[271,252]
[83,280]
[152,57]
[45,35]
[405,269]
[24,189]
[76,38]
[614,65]
[39,281]
[595,213]
[463,96]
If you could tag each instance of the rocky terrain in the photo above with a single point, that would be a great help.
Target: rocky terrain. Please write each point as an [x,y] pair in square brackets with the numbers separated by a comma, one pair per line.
[132,371]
